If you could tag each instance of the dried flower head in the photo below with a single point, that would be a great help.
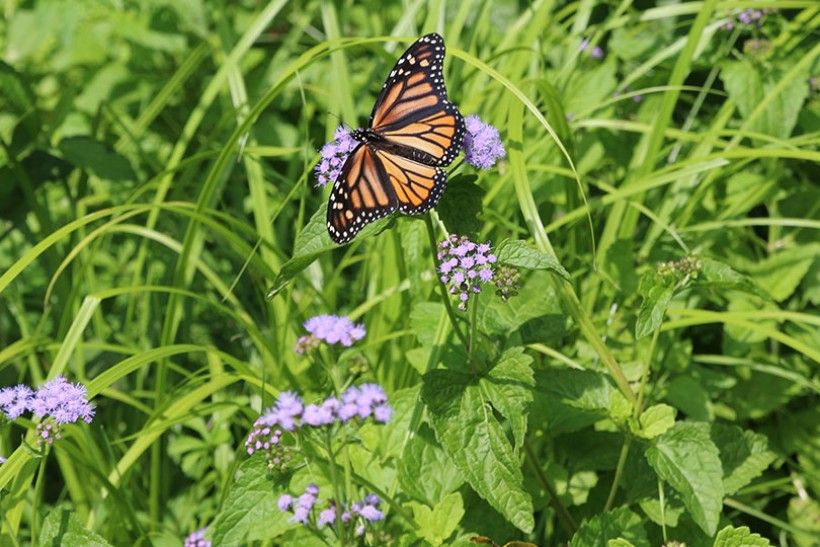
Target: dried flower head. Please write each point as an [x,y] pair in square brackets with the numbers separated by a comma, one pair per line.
[335,329]
[507,282]
[334,155]
[464,266]
[14,401]
[482,144]
[197,539]
[686,266]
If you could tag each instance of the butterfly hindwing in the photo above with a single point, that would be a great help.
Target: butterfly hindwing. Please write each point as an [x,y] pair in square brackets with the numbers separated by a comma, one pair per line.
[359,196]
[413,111]
[417,186]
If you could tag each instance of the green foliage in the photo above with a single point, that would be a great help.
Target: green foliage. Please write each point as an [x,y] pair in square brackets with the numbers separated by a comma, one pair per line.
[651,378]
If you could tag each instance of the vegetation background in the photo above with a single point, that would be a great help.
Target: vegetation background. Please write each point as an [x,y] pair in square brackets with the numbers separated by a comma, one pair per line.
[156,182]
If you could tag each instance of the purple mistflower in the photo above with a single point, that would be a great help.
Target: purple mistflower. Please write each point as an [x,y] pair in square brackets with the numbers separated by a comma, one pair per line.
[2,460]
[335,329]
[318,416]
[197,539]
[334,154]
[285,502]
[482,144]
[597,53]
[464,266]
[583,45]
[371,513]
[14,401]
[327,516]
[365,401]
[306,344]
[62,401]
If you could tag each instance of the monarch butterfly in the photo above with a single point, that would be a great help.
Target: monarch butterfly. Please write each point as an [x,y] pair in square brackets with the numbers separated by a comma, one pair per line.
[414,130]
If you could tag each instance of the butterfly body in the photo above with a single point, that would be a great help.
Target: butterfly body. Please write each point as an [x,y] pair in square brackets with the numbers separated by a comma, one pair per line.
[414,131]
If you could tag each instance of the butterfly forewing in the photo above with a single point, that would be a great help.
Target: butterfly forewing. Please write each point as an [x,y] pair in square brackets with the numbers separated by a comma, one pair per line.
[413,111]
[359,196]
[417,186]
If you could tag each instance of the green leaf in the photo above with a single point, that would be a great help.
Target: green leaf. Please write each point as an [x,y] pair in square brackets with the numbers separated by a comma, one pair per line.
[739,537]
[467,429]
[617,524]
[687,459]
[656,420]
[781,273]
[656,297]
[311,243]
[62,527]
[249,512]
[717,275]
[537,305]
[744,454]
[437,524]
[748,83]
[508,386]
[460,205]
[513,252]
[688,395]
[569,400]
[96,158]
[425,471]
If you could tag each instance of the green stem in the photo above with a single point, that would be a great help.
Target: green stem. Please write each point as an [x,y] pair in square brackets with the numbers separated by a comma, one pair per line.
[473,317]
[663,508]
[442,289]
[38,494]
[337,489]
[564,517]
[619,469]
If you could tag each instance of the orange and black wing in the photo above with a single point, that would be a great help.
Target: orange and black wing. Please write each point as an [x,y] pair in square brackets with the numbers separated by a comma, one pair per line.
[413,112]
[417,186]
[360,195]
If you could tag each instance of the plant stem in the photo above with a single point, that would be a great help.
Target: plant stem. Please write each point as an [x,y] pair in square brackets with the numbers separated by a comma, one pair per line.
[442,289]
[337,490]
[35,504]
[564,517]
[619,469]
[663,508]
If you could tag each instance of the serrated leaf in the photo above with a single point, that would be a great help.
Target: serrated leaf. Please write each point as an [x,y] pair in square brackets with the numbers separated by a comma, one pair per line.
[437,524]
[617,524]
[687,459]
[536,301]
[521,255]
[461,204]
[62,527]
[739,537]
[744,454]
[96,158]
[425,471]
[688,395]
[717,275]
[508,386]
[471,435]
[656,420]
[569,400]
[781,273]
[250,512]
[653,307]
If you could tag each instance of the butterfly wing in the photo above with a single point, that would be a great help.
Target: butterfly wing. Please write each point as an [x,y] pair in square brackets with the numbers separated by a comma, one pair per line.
[417,186]
[360,195]
[413,112]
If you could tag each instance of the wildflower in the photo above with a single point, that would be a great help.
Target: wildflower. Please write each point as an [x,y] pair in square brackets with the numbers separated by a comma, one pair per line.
[197,539]
[306,344]
[64,402]
[14,401]
[464,266]
[334,154]
[2,460]
[285,502]
[597,53]
[327,516]
[507,282]
[583,45]
[335,329]
[482,144]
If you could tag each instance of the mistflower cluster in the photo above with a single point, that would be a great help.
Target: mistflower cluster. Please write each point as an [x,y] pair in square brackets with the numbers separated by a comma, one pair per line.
[331,329]
[2,460]
[464,266]
[334,154]
[482,144]
[507,282]
[197,539]
[688,265]
[302,507]
[748,17]
[290,413]
[55,403]
[596,52]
